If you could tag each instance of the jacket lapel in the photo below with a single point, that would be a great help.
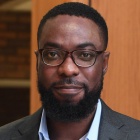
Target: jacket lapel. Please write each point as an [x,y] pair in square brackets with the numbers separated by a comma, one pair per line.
[28,130]
[29,136]
[109,132]
[111,128]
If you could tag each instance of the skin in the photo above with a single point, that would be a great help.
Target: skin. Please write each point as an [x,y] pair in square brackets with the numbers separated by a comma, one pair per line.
[68,33]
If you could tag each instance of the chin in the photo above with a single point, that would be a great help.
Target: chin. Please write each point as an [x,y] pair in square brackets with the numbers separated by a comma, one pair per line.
[69,107]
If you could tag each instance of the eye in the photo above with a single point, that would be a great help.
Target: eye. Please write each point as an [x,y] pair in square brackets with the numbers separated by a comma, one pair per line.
[86,56]
[51,55]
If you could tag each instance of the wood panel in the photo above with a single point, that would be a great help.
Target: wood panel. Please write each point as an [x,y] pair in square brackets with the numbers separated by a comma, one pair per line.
[122,82]
[14,45]
[39,8]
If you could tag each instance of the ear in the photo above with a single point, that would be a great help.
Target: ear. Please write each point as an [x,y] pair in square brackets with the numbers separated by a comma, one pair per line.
[36,53]
[105,62]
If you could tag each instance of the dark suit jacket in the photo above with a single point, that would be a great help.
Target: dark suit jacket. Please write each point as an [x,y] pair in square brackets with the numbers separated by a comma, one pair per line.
[113,126]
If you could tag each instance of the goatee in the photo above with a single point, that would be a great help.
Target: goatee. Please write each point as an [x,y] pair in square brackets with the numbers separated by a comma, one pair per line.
[66,111]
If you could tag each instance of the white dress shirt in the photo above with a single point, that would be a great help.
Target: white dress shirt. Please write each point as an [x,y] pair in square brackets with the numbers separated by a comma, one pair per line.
[91,135]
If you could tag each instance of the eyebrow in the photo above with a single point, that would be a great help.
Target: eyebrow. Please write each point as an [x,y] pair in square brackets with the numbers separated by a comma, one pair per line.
[51,44]
[58,46]
[86,44]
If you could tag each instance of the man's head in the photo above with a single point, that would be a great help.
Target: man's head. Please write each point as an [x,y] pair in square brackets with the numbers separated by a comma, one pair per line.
[71,63]
[79,10]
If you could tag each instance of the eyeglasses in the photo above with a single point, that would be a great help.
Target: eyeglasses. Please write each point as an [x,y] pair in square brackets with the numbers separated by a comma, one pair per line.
[82,58]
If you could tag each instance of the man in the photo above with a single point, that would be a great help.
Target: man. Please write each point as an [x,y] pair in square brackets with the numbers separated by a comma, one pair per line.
[71,64]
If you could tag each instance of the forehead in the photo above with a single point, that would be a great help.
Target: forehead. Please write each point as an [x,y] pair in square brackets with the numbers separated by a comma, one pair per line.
[70,31]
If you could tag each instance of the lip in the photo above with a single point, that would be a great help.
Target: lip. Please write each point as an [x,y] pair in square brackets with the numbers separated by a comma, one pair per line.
[68,89]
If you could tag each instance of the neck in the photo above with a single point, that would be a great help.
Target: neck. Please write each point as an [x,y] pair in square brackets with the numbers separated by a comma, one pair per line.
[59,130]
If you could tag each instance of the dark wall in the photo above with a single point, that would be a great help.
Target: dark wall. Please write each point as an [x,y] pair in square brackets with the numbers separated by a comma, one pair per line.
[14,104]
[15,31]
[15,45]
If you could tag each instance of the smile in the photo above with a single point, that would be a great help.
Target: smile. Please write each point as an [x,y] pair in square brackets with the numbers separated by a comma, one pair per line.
[68,90]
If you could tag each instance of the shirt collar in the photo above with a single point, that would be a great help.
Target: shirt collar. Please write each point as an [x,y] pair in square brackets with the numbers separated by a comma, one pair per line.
[43,130]
[91,135]
[94,128]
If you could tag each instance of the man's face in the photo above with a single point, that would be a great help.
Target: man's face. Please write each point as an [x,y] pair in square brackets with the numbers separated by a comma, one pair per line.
[68,83]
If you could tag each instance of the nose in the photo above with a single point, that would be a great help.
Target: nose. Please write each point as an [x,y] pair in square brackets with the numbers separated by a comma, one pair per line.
[68,68]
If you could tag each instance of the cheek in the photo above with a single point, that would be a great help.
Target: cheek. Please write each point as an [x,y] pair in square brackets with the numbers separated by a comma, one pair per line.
[47,75]
[93,76]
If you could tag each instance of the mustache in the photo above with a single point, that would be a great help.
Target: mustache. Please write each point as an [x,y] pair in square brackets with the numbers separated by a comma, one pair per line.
[70,81]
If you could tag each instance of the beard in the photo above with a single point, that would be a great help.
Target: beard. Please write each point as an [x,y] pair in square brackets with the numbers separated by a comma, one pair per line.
[66,111]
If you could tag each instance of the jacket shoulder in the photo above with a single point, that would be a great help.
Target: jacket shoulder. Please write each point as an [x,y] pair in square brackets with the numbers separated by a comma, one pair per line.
[20,126]
[10,128]
[115,125]
[116,118]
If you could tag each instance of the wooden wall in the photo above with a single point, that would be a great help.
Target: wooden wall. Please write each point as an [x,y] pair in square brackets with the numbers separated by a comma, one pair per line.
[14,45]
[121,89]
[14,65]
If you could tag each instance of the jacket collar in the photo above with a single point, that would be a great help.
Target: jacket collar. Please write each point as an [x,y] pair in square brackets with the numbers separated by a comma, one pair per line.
[28,130]
[111,127]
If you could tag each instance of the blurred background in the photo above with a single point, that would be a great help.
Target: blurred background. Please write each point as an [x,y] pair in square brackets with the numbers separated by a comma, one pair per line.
[19,21]
[15,42]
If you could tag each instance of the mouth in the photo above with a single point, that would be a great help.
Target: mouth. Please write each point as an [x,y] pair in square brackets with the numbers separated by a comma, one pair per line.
[65,90]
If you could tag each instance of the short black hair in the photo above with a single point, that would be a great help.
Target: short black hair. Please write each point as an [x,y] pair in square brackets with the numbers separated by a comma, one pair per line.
[79,10]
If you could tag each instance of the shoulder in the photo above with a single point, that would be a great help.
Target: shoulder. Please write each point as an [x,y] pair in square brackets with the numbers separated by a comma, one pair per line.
[116,118]
[130,125]
[25,123]
[114,124]
[8,129]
